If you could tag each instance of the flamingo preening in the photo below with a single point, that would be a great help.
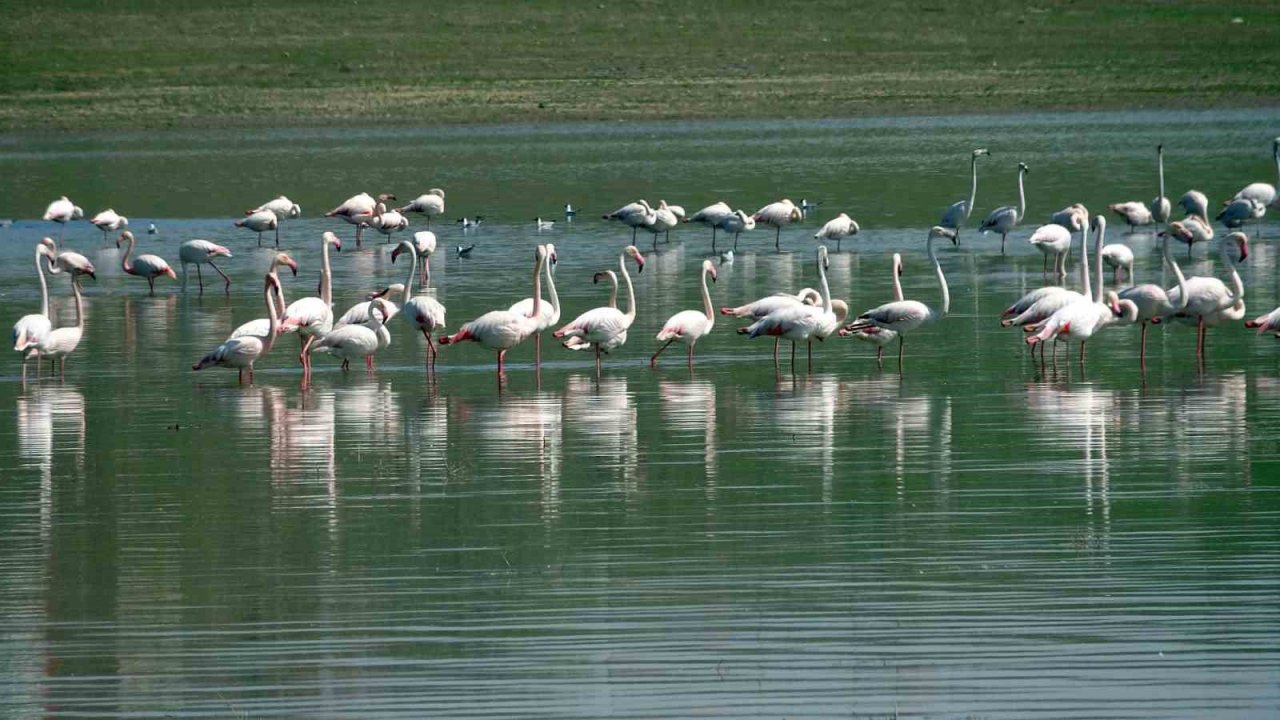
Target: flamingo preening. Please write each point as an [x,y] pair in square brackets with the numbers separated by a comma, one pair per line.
[801,323]
[688,326]
[605,328]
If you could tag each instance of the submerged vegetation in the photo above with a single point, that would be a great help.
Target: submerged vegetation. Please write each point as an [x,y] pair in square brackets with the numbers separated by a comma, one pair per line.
[236,63]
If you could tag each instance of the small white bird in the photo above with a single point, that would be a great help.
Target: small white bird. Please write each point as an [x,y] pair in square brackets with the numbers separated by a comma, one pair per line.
[544,224]
[152,229]
[465,252]
[837,228]
[569,212]
[726,257]
[470,223]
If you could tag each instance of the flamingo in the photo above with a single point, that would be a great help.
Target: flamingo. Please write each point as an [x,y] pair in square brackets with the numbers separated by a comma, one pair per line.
[1194,202]
[109,221]
[312,317]
[424,242]
[355,342]
[429,204]
[711,215]
[283,208]
[1081,319]
[1263,193]
[1117,256]
[147,266]
[605,327]
[32,329]
[664,219]
[68,261]
[260,326]
[777,214]
[635,215]
[202,252]
[548,311]
[425,312]
[387,221]
[61,342]
[737,223]
[838,228]
[770,304]
[876,335]
[358,314]
[906,315]
[358,210]
[687,326]
[1134,213]
[1152,300]
[957,214]
[1208,300]
[1238,212]
[260,222]
[1074,217]
[1265,323]
[62,211]
[502,330]
[241,352]
[1191,230]
[1052,240]
[1004,219]
[1160,204]
[577,343]
[801,322]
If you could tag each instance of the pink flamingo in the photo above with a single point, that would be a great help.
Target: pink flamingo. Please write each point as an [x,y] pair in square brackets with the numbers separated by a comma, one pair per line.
[801,323]
[147,266]
[606,327]
[548,311]
[202,252]
[241,352]
[425,312]
[358,210]
[32,329]
[688,326]
[502,330]
[312,317]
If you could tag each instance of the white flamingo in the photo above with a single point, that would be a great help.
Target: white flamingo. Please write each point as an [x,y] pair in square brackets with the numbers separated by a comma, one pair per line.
[1004,219]
[777,214]
[202,252]
[424,242]
[1266,323]
[837,228]
[1160,204]
[147,266]
[33,328]
[634,215]
[356,342]
[770,304]
[312,317]
[62,211]
[737,223]
[260,222]
[1134,213]
[957,214]
[605,328]
[68,261]
[664,220]
[688,326]
[1118,256]
[906,315]
[1209,301]
[1153,301]
[1194,202]
[61,342]
[429,204]
[801,323]
[260,326]
[423,311]
[358,210]
[1191,229]
[1054,241]
[109,221]
[242,351]
[1238,212]
[358,314]
[548,310]
[502,330]
[879,336]
[387,221]
[711,215]
[283,208]
[1263,193]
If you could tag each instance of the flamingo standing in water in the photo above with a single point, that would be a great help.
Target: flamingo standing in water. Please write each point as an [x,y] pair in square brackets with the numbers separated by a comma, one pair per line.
[605,328]
[429,204]
[801,323]
[312,317]
[1054,241]
[202,252]
[1209,301]
[688,326]
[1134,214]
[147,266]
[62,211]
[711,215]
[838,228]
[737,223]
[32,329]
[259,326]
[876,335]
[242,351]
[387,221]
[1160,204]
[260,222]
[425,312]
[356,342]
[502,330]
[906,315]
[1262,193]
[1153,301]
[636,215]
[424,242]
[61,342]
[957,214]
[548,312]
[1004,219]
[770,304]
[358,210]
[777,214]
[1191,229]
[284,209]
[109,221]
[68,261]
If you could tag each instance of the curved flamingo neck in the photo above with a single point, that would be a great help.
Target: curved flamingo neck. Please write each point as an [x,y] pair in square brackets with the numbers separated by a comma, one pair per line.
[551,289]
[897,279]
[413,270]
[822,281]
[326,279]
[75,289]
[631,292]
[1022,197]
[124,261]
[273,319]
[973,187]
[537,284]
[942,279]
[1097,262]
[1177,273]
[1275,153]
[1236,282]
[613,288]
[706,297]
[44,287]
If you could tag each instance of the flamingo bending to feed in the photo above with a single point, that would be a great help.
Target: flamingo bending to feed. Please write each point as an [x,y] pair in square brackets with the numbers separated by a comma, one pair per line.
[502,330]
[1153,301]
[202,252]
[838,228]
[548,314]
[356,342]
[387,221]
[957,214]
[260,222]
[358,314]
[61,342]
[605,328]
[429,204]
[906,315]
[1191,229]
[635,215]
[879,336]
[1238,212]
[777,214]
[802,323]
[1134,214]
[109,221]
[259,326]
[425,312]
[737,223]
[33,328]
[711,215]
[1160,204]
[358,210]
[312,317]
[147,266]
[1209,301]
[62,211]
[283,208]
[1004,219]
[67,261]
[242,351]
[687,326]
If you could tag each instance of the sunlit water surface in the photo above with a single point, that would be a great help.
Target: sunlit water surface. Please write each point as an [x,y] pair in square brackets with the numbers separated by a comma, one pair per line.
[974,537]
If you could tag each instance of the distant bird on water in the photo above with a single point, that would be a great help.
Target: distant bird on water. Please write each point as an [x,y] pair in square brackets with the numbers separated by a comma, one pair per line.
[1004,219]
[957,214]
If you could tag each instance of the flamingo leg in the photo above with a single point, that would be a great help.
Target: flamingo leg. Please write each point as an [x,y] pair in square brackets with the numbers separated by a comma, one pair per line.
[277,235]
[431,347]
[1200,339]
[713,239]
[227,289]
[597,362]
[1142,351]
[1003,237]
[259,239]
[690,357]
[360,234]
[777,239]
[793,357]
[537,349]
[810,349]
[776,342]
[198,277]
[368,363]
[735,241]
[653,361]
[880,357]
[1082,347]
[502,356]
[240,377]
[901,338]
[151,282]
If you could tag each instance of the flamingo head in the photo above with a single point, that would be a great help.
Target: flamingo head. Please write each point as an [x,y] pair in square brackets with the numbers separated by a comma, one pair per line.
[595,279]
[634,253]
[1099,223]
[379,306]
[1022,168]
[840,308]
[938,231]
[295,210]
[49,244]
[125,236]
[897,264]
[433,191]
[1242,242]
[334,240]
[284,259]
[980,152]
[822,257]
[709,268]
[551,254]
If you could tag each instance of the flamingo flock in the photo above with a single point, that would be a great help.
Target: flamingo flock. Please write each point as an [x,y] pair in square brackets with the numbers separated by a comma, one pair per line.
[1051,314]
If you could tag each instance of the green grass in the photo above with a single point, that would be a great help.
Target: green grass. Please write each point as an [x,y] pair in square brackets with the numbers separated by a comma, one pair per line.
[151,63]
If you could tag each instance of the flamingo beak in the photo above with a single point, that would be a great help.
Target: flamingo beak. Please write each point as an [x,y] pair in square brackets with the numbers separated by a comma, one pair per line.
[1244,250]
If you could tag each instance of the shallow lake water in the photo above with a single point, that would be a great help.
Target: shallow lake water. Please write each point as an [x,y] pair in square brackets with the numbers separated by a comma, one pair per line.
[976,536]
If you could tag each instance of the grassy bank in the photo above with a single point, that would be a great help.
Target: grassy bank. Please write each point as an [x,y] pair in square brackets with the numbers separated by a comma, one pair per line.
[147,64]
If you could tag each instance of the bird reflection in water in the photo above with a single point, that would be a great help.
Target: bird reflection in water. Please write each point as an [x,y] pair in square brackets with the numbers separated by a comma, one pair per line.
[603,414]
[51,430]
[690,408]
[147,323]
[523,430]
[806,412]
[303,433]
